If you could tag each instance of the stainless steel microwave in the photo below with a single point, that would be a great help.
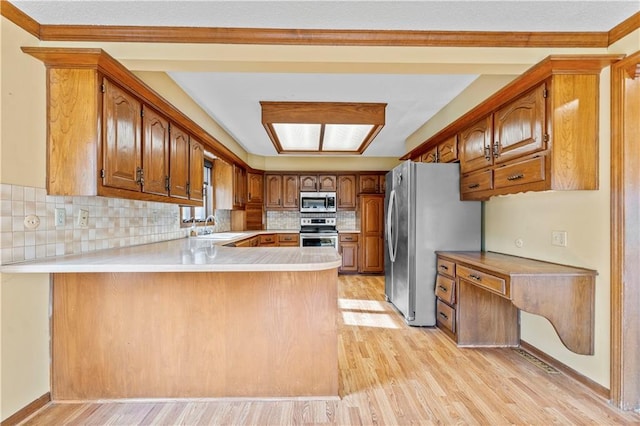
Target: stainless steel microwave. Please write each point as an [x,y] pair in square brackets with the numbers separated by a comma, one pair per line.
[317,202]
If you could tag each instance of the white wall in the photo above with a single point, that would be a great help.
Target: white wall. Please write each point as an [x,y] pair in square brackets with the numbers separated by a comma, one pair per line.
[24,309]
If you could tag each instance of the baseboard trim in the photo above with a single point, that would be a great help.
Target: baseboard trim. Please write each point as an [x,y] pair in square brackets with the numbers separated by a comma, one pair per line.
[595,387]
[27,410]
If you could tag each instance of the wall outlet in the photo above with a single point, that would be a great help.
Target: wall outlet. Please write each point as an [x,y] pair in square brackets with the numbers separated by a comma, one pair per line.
[31,222]
[60,217]
[83,217]
[559,238]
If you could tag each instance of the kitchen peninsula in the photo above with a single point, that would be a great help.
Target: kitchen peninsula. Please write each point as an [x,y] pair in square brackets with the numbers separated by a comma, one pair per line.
[191,318]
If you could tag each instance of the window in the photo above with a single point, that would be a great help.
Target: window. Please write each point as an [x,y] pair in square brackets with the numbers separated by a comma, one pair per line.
[188,214]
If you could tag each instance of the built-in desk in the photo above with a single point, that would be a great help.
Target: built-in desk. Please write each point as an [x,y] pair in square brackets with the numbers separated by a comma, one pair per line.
[480,295]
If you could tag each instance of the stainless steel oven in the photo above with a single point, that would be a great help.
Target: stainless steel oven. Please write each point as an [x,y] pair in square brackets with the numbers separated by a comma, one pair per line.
[318,232]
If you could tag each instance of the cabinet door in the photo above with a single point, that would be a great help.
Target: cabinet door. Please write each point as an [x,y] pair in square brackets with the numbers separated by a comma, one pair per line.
[448,150]
[196,170]
[475,146]
[290,191]
[430,156]
[349,253]
[122,150]
[327,183]
[308,183]
[273,184]
[239,189]
[518,127]
[346,192]
[155,152]
[372,224]
[369,184]
[255,187]
[179,163]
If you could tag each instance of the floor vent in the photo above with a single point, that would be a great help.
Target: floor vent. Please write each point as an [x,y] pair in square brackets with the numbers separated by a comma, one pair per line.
[536,361]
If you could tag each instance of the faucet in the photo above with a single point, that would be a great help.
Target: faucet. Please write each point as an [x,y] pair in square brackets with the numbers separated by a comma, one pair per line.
[208,230]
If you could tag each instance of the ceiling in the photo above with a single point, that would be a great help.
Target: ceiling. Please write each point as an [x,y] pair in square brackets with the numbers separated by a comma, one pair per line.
[232,98]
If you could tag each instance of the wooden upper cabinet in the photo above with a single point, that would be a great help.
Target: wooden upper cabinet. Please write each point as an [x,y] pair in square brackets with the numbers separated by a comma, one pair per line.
[273,192]
[346,192]
[290,191]
[519,126]
[255,188]
[99,143]
[327,183]
[196,170]
[430,156]
[444,152]
[308,183]
[179,163]
[371,183]
[281,191]
[317,183]
[155,152]
[122,151]
[448,150]
[475,146]
[239,187]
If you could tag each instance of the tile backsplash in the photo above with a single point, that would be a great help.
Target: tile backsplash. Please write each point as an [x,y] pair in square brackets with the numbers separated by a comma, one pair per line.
[345,220]
[112,223]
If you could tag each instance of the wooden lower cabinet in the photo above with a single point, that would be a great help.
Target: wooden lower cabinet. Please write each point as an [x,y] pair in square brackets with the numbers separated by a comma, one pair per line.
[249,242]
[348,249]
[289,240]
[268,240]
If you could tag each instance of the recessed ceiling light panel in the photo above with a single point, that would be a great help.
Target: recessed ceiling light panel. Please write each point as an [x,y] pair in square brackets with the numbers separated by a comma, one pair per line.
[322,127]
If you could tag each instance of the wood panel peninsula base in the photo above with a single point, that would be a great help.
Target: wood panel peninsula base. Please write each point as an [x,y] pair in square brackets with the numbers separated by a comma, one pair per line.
[479,295]
[194,335]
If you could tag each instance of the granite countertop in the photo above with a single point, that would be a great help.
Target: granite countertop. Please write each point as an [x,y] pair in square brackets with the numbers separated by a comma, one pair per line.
[195,254]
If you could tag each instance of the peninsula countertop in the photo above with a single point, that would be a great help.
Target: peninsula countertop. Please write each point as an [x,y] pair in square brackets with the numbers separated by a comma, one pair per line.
[198,254]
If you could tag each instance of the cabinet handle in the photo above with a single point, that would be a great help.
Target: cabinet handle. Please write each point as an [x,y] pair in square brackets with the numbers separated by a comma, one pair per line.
[445,267]
[516,177]
[138,175]
[443,315]
[474,185]
[496,149]
[167,183]
[487,153]
[475,277]
[443,288]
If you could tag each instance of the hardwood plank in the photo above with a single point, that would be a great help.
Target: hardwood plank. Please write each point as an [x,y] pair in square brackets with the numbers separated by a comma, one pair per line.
[401,375]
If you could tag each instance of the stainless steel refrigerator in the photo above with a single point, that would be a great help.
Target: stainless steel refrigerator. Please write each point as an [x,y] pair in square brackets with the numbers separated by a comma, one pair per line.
[423,213]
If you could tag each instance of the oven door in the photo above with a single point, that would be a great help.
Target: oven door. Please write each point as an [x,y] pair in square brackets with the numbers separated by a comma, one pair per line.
[319,240]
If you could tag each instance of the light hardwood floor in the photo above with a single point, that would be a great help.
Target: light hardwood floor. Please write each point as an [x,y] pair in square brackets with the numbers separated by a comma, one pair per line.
[391,374]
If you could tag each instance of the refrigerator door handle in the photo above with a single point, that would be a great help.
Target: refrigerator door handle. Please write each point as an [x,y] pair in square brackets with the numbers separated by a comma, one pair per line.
[392,218]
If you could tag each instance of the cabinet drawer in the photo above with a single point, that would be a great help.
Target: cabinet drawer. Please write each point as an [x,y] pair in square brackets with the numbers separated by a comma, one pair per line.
[446,267]
[528,171]
[290,239]
[482,279]
[476,182]
[445,289]
[347,238]
[446,316]
[267,239]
